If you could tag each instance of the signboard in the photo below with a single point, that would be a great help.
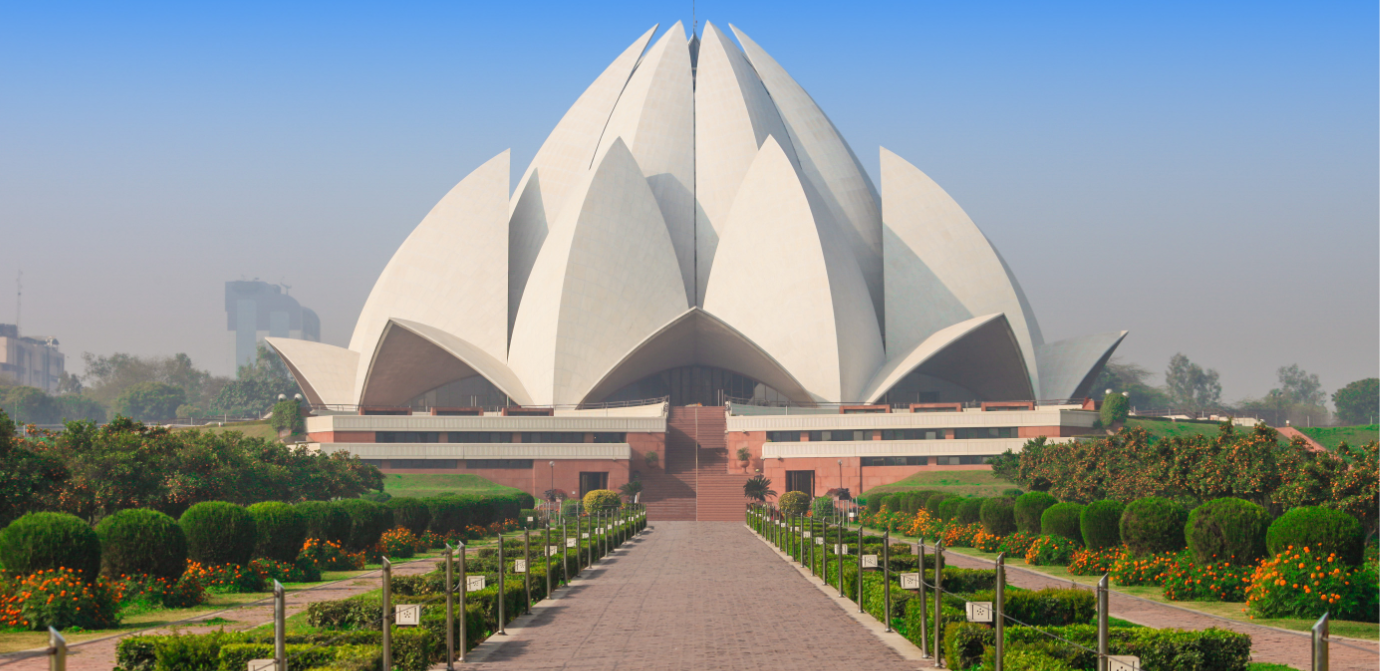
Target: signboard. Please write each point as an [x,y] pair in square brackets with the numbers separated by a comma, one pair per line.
[552,550]
[819,541]
[979,611]
[600,530]
[869,561]
[910,581]
[407,615]
[262,665]
[841,550]
[584,534]
[572,542]
[807,535]
[474,583]
[519,566]
[1123,663]
[529,520]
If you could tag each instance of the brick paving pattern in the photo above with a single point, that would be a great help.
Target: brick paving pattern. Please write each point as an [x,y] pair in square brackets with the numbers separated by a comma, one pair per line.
[1267,644]
[692,595]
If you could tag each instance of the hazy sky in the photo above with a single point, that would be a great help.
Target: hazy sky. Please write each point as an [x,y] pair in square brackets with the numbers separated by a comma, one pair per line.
[1202,175]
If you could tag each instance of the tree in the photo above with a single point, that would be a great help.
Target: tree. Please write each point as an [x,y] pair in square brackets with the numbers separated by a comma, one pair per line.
[1134,380]
[29,405]
[1358,402]
[1115,409]
[1190,386]
[109,376]
[148,401]
[256,387]
[1006,465]
[1300,386]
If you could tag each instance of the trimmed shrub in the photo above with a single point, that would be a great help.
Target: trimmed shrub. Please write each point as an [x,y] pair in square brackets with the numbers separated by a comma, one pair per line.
[1228,529]
[1153,525]
[970,510]
[46,541]
[1323,531]
[1101,524]
[138,541]
[600,499]
[570,507]
[1063,519]
[874,504]
[279,530]
[1115,409]
[326,520]
[368,521]
[893,502]
[794,503]
[219,533]
[948,510]
[932,504]
[998,516]
[411,513]
[1029,507]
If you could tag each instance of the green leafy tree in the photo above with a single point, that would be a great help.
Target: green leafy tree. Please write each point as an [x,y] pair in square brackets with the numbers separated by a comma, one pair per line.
[29,405]
[1358,402]
[1121,376]
[1115,409]
[107,377]
[1006,465]
[149,401]
[287,416]
[257,386]
[1191,386]
[1300,386]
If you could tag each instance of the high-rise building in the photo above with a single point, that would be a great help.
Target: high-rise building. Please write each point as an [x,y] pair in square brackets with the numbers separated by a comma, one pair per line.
[32,361]
[255,310]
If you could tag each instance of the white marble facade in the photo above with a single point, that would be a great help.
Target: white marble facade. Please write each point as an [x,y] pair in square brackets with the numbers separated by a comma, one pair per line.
[695,206]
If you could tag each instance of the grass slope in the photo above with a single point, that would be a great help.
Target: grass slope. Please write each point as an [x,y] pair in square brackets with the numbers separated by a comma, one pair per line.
[426,484]
[256,429]
[1352,435]
[1163,428]
[962,483]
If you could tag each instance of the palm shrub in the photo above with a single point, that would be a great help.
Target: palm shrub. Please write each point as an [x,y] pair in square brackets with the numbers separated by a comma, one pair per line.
[368,521]
[758,488]
[139,541]
[794,503]
[948,509]
[601,499]
[1323,531]
[280,530]
[410,513]
[219,532]
[47,541]
[970,510]
[1062,519]
[1101,524]
[998,516]
[1227,529]
[1029,507]
[326,520]
[1153,525]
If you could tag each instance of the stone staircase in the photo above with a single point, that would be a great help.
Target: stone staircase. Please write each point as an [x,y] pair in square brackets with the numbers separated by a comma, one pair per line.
[695,483]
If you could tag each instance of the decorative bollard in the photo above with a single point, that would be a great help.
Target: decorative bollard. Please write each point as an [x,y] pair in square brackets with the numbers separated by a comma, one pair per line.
[279,625]
[502,569]
[886,578]
[1102,634]
[546,540]
[924,640]
[464,587]
[999,615]
[57,651]
[387,627]
[860,568]
[936,647]
[1320,643]
[527,568]
[450,607]
[838,574]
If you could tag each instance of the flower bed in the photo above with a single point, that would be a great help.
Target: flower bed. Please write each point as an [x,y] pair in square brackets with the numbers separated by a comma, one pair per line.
[1300,583]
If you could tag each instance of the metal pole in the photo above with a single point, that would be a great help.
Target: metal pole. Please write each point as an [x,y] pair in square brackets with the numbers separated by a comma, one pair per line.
[565,554]
[936,647]
[57,647]
[860,568]
[998,659]
[1102,641]
[464,588]
[546,541]
[1320,643]
[387,608]
[502,568]
[279,626]
[527,567]
[450,608]
[824,552]
[839,573]
[886,578]
[924,640]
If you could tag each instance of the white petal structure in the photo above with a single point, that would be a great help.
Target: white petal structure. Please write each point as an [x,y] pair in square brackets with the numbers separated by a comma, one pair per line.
[695,209]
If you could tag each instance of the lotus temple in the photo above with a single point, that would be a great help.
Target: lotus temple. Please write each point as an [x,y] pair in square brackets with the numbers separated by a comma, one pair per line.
[695,268]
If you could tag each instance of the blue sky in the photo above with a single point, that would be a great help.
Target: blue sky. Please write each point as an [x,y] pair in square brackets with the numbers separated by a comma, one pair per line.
[1203,175]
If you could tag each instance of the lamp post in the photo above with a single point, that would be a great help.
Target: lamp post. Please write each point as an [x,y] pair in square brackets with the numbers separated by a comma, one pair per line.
[553,485]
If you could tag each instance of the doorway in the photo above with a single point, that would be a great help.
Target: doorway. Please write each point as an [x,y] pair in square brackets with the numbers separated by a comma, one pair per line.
[592,481]
[801,481]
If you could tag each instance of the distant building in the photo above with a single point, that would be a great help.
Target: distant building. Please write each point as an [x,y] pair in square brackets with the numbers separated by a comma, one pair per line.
[32,361]
[255,310]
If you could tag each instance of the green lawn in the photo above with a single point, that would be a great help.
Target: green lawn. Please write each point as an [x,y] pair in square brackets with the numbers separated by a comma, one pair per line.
[423,485]
[963,483]
[1163,428]
[1352,435]
[256,429]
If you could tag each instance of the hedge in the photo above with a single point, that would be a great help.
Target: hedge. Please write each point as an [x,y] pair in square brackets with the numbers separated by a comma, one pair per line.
[970,511]
[1100,524]
[326,520]
[1028,509]
[933,503]
[43,541]
[368,521]
[410,513]
[1153,525]
[948,510]
[280,530]
[142,541]
[1321,530]
[413,649]
[219,533]
[1227,529]
[1063,519]
[999,516]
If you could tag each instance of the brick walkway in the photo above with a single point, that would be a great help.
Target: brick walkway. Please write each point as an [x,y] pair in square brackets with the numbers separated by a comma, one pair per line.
[99,654]
[1267,644]
[691,595]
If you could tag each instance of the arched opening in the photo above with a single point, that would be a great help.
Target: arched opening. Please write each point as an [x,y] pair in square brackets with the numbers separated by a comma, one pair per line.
[706,385]
[470,392]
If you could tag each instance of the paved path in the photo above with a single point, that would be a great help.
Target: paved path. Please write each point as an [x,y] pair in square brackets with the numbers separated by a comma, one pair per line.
[1267,643]
[99,654]
[690,595]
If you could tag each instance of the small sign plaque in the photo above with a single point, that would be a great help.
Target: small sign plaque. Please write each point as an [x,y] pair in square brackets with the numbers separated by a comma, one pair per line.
[552,550]
[572,542]
[474,583]
[869,561]
[261,665]
[584,534]
[807,535]
[529,519]
[519,566]
[407,615]
[842,550]
[819,541]
[1123,663]
[910,581]
[979,611]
